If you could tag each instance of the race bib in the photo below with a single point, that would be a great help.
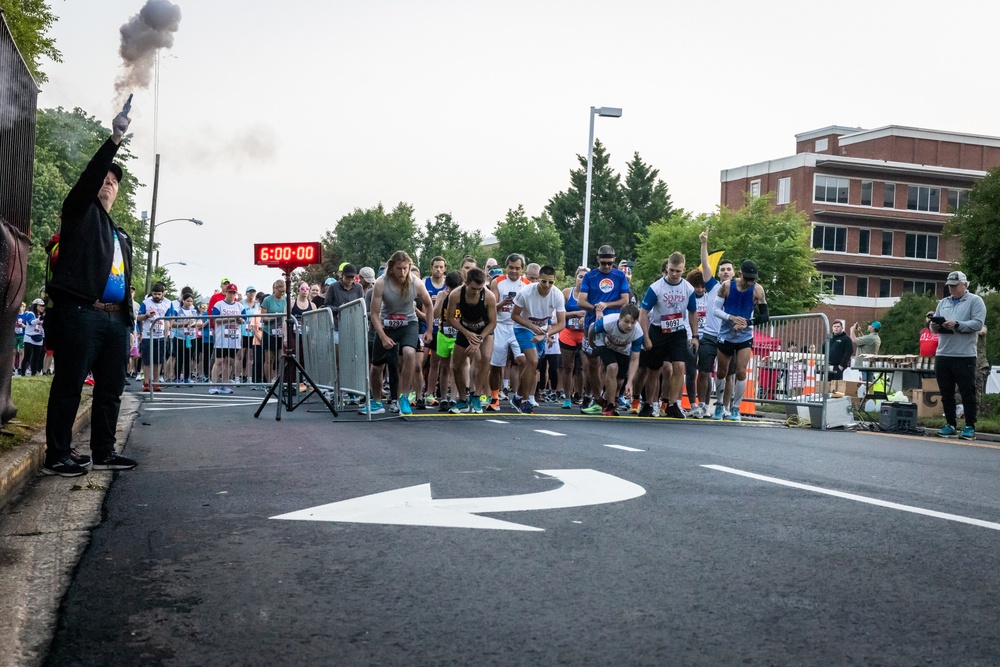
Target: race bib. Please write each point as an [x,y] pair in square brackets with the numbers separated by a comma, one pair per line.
[575,324]
[448,331]
[540,322]
[671,323]
[701,318]
[395,321]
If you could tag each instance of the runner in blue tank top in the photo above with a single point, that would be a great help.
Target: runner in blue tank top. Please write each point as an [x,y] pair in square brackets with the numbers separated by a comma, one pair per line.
[735,308]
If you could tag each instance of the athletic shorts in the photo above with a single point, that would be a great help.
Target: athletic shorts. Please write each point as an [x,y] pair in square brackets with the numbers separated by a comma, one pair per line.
[609,357]
[461,340]
[18,341]
[154,355]
[503,338]
[407,336]
[272,343]
[524,337]
[246,342]
[225,353]
[670,347]
[706,353]
[445,345]
[571,339]
[730,349]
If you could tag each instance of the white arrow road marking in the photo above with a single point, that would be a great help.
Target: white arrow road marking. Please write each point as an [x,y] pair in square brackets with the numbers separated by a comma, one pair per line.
[624,448]
[541,430]
[414,506]
[860,499]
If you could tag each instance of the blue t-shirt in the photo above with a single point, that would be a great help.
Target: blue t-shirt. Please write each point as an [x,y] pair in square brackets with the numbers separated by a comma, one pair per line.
[114,289]
[603,288]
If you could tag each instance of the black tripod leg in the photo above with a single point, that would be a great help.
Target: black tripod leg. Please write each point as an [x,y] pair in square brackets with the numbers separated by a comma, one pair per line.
[270,392]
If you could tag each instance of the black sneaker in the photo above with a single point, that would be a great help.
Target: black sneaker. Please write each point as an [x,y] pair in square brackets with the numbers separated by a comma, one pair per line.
[674,412]
[64,467]
[444,405]
[420,405]
[646,411]
[115,462]
[587,402]
[81,460]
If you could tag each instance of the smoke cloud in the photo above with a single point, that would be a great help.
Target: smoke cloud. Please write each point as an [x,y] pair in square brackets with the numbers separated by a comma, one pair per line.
[145,33]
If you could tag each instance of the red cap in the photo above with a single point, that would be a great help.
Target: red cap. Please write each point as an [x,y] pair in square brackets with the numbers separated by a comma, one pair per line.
[231,287]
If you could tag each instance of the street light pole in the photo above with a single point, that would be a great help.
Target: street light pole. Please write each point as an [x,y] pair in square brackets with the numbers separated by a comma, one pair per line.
[152,230]
[607,112]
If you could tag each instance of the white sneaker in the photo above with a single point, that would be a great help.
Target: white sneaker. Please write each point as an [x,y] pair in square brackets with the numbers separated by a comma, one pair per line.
[698,412]
[213,390]
[225,390]
[534,403]
[656,409]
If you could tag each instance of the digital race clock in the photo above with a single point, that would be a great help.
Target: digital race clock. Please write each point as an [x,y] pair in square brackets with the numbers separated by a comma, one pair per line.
[287,255]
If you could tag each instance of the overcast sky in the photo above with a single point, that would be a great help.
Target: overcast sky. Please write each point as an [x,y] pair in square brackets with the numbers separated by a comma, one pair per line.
[277,118]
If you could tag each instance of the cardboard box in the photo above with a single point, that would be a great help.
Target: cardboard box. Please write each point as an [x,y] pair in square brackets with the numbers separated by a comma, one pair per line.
[844,387]
[928,403]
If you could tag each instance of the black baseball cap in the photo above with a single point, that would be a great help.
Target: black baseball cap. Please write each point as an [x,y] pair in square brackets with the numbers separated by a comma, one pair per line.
[748,270]
[116,169]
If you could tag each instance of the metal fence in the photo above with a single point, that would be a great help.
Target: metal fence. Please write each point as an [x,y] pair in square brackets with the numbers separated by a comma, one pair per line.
[352,351]
[790,366]
[319,355]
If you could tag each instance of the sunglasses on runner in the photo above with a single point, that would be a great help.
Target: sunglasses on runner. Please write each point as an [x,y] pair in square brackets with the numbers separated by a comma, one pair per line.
[546,282]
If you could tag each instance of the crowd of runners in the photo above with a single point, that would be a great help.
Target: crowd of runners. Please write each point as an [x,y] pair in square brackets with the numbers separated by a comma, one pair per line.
[473,339]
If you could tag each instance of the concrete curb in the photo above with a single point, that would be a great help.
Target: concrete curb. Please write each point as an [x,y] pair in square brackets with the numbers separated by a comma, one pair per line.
[21,464]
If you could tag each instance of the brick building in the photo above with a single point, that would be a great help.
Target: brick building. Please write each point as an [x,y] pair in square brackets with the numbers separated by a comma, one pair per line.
[878,201]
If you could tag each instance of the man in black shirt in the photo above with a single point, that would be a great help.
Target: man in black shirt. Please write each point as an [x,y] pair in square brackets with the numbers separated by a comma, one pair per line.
[89,324]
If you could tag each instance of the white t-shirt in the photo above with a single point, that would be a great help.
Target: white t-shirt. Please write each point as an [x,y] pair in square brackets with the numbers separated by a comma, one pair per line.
[539,308]
[608,334]
[505,286]
[153,327]
[227,331]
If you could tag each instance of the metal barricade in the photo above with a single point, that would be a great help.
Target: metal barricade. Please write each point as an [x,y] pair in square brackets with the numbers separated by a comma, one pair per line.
[319,355]
[189,348]
[790,364]
[352,351]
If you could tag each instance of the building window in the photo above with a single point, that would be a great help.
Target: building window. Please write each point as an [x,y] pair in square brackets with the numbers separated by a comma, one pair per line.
[864,241]
[919,287]
[784,190]
[830,239]
[830,189]
[832,285]
[755,188]
[866,193]
[822,145]
[884,288]
[922,246]
[957,199]
[862,287]
[923,198]
[889,195]
[887,243]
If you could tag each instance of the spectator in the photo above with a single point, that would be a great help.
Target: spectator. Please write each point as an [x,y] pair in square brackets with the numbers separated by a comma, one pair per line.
[982,365]
[34,339]
[928,339]
[958,318]
[19,338]
[868,343]
[841,350]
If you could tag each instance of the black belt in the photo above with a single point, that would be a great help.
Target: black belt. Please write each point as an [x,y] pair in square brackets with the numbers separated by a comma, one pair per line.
[107,307]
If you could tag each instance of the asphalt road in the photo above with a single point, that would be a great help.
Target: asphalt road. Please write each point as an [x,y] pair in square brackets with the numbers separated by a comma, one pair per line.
[703,567]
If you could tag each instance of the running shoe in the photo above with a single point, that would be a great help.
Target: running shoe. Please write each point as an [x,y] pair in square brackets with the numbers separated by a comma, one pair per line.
[609,411]
[719,412]
[534,403]
[947,431]
[586,403]
[225,390]
[420,405]
[430,399]
[734,415]
[526,407]
[64,467]
[81,460]
[213,390]
[968,433]
[393,407]
[157,387]
[622,403]
[592,409]
[567,404]
[636,404]
[656,409]
[517,407]
[576,397]
[477,406]
[646,411]
[376,408]
[404,405]
[444,405]
[664,406]
[698,412]
[89,380]
[115,462]
[412,397]
[459,407]
[674,412]
[494,406]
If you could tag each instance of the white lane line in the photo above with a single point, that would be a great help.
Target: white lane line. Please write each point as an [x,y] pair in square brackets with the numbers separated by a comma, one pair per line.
[204,407]
[497,421]
[861,499]
[541,430]
[624,448]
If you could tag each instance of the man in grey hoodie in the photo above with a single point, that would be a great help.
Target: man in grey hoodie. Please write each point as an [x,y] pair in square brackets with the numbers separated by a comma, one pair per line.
[958,319]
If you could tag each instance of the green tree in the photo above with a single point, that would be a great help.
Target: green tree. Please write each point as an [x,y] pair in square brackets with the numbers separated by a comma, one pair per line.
[367,237]
[65,141]
[29,22]
[778,242]
[536,238]
[902,323]
[646,200]
[975,225]
[443,237]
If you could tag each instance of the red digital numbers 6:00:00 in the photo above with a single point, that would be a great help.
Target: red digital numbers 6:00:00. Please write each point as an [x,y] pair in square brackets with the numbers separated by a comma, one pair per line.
[300,254]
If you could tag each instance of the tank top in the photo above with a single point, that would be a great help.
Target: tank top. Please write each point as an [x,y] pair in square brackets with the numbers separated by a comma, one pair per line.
[398,305]
[738,304]
[573,323]
[473,316]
